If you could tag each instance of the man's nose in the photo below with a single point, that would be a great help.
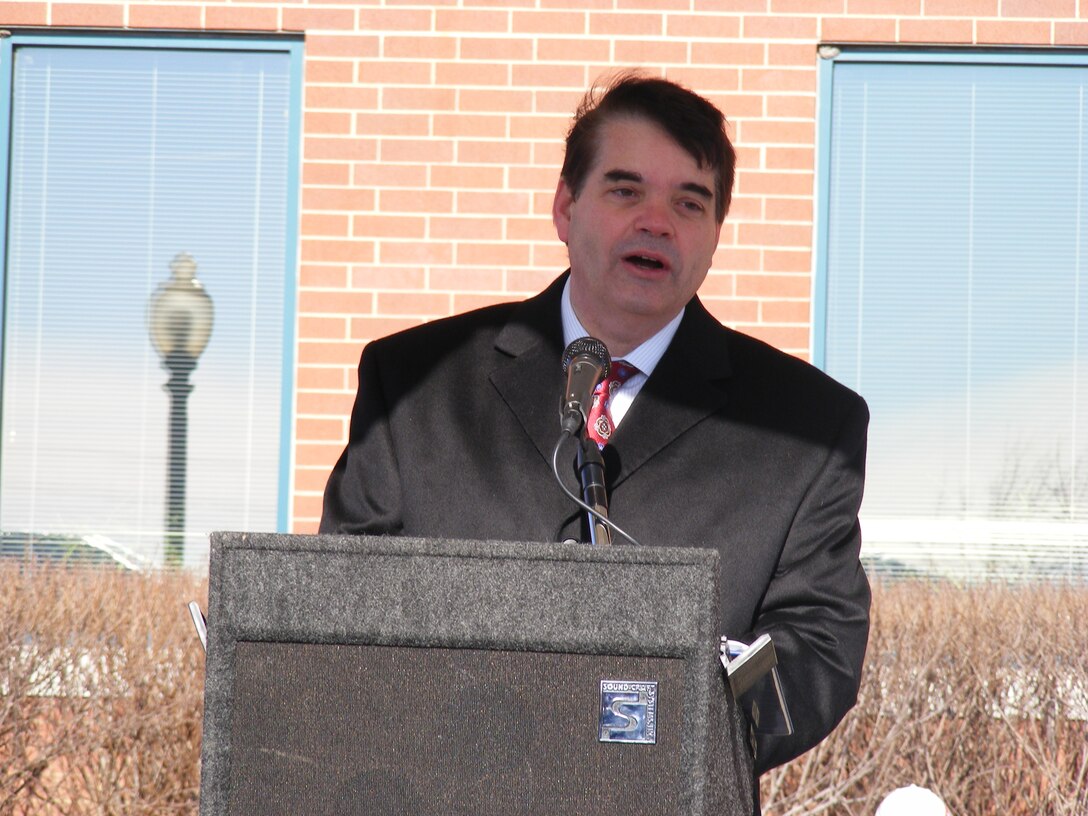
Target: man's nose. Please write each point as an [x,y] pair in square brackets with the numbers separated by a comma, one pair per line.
[654,217]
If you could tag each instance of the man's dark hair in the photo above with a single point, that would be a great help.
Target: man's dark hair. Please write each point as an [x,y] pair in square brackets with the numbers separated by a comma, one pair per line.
[692,122]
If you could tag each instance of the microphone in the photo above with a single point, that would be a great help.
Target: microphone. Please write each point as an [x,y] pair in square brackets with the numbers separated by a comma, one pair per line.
[586,363]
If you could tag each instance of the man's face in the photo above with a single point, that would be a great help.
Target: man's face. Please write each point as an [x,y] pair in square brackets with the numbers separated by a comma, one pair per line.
[641,234]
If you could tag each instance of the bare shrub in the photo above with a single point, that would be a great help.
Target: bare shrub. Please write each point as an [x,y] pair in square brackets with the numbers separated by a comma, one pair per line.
[976,692]
[979,693]
[101,678]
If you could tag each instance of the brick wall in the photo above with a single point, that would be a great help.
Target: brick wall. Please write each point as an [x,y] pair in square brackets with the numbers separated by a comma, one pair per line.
[432,138]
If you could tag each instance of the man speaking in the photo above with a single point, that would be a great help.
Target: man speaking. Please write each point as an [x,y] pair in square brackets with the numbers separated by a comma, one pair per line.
[708,437]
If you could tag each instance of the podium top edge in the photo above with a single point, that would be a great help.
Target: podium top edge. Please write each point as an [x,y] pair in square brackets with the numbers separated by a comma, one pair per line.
[460,548]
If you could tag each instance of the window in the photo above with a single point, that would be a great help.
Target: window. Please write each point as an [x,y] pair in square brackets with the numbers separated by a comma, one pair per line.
[123,154]
[953,295]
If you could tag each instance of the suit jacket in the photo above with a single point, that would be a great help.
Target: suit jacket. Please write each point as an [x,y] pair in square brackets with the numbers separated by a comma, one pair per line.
[731,444]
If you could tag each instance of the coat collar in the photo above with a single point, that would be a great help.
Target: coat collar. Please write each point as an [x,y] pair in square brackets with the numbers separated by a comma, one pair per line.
[685,387]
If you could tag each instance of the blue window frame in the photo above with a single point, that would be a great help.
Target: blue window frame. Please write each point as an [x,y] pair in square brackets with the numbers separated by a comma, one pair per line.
[952,293]
[121,153]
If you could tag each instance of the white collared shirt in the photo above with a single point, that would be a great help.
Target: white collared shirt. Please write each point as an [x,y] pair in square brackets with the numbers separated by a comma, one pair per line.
[645,357]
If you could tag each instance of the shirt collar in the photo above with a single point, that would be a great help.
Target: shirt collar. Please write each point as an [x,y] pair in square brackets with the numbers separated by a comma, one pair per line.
[645,357]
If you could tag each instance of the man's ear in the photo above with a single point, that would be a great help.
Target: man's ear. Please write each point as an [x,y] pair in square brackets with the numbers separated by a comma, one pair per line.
[561,205]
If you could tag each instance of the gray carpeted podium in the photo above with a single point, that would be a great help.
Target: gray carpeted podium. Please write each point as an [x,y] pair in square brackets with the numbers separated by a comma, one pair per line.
[384,675]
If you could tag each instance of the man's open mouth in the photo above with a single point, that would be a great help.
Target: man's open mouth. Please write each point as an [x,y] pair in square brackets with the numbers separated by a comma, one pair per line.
[645,262]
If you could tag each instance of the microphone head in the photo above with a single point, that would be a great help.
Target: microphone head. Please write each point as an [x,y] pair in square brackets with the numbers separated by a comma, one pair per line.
[589,346]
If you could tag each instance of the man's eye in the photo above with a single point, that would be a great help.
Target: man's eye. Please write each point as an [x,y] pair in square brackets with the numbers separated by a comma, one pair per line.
[693,206]
[623,192]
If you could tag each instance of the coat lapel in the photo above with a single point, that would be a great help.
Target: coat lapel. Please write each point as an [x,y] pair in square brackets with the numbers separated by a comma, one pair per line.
[528,372]
[687,386]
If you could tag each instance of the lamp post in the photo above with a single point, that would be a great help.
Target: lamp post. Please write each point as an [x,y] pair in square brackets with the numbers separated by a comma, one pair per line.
[180,322]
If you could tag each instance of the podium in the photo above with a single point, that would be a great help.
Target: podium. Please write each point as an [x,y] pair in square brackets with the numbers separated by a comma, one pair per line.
[388,675]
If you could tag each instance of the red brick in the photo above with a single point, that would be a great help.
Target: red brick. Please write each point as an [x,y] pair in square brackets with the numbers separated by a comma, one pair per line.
[321,403]
[337,198]
[501,254]
[473,20]
[475,126]
[534,75]
[383,277]
[463,177]
[778,79]
[415,252]
[415,201]
[496,48]
[327,123]
[305,510]
[370,225]
[709,26]
[419,46]
[893,8]
[782,259]
[777,235]
[537,23]
[26,14]
[384,19]
[390,72]
[780,28]
[357,46]
[574,50]
[325,225]
[329,70]
[650,51]
[786,311]
[340,148]
[393,124]
[961,8]
[334,276]
[329,19]
[1071,33]
[808,6]
[315,429]
[729,53]
[782,106]
[335,303]
[163,16]
[381,174]
[421,99]
[858,29]
[1046,9]
[789,209]
[458,279]
[466,74]
[1007,32]
[242,18]
[371,328]
[765,182]
[310,456]
[633,24]
[414,150]
[936,31]
[325,327]
[325,352]
[777,132]
[653,5]
[341,97]
[500,152]
[460,227]
[492,101]
[413,303]
[87,14]
[495,203]
[346,251]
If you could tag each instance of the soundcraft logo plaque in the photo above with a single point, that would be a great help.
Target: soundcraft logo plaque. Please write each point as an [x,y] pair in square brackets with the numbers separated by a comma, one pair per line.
[628,711]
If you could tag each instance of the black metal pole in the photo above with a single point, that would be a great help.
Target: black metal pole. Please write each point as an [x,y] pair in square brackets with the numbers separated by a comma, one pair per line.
[179,365]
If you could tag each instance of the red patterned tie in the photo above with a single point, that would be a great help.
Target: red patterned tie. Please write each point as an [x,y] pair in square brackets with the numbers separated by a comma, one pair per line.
[599,425]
